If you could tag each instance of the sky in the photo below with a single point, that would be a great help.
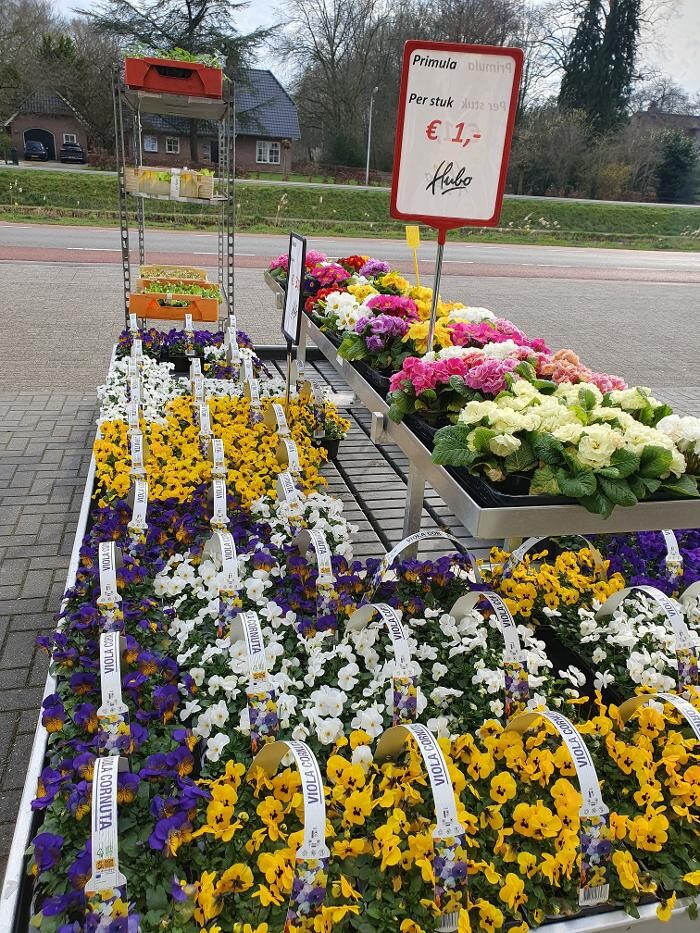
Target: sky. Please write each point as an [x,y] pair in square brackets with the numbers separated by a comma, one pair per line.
[674,48]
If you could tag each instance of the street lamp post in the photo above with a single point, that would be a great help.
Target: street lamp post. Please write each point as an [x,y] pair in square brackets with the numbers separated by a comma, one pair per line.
[369,133]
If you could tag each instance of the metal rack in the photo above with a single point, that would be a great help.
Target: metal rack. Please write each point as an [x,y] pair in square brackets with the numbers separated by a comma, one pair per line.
[125,101]
[482,522]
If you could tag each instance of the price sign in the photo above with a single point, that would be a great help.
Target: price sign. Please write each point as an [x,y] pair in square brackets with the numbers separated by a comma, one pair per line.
[291,319]
[455,123]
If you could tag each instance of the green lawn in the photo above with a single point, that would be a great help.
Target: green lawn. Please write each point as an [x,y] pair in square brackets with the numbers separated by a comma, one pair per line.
[64,197]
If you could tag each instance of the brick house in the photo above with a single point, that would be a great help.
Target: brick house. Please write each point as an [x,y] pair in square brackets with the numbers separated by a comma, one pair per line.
[659,120]
[267,124]
[49,118]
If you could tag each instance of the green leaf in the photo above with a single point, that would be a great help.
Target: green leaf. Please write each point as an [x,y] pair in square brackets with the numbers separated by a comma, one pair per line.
[618,491]
[586,398]
[451,446]
[481,437]
[547,448]
[352,347]
[521,460]
[685,485]
[654,461]
[156,897]
[580,484]
[597,503]
[623,463]
[544,482]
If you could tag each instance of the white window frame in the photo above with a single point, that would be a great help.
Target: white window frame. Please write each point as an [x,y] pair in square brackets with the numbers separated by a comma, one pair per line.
[172,145]
[70,138]
[150,143]
[265,149]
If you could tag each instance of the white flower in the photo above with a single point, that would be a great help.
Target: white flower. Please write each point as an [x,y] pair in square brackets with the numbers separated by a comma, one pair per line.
[328,730]
[439,671]
[215,745]
[362,755]
[197,675]
[370,720]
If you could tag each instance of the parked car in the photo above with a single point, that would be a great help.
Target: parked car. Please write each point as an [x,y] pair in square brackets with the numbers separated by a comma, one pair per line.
[71,152]
[33,149]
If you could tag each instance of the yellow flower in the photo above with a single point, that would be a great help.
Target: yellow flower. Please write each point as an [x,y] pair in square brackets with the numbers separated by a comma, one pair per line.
[627,870]
[362,291]
[693,877]
[358,807]
[649,833]
[386,846]
[235,880]
[277,868]
[513,892]
[490,917]
[396,281]
[527,863]
[665,908]
[503,787]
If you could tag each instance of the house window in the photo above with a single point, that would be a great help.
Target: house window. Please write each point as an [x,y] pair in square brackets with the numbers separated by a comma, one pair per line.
[70,138]
[267,151]
[206,150]
[150,144]
[172,144]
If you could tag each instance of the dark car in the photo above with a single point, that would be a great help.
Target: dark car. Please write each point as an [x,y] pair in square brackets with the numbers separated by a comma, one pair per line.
[71,152]
[33,149]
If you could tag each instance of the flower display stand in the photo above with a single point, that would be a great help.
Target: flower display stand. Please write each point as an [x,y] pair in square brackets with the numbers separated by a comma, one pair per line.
[171,76]
[173,306]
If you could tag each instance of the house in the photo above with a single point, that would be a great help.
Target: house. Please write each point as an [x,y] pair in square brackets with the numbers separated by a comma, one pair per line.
[659,120]
[266,125]
[49,118]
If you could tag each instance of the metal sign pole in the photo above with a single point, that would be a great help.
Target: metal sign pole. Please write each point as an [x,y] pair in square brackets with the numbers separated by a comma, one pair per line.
[436,289]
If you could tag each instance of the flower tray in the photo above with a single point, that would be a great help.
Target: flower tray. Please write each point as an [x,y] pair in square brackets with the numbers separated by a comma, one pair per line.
[158,273]
[142,284]
[174,307]
[373,377]
[562,652]
[170,76]
[512,492]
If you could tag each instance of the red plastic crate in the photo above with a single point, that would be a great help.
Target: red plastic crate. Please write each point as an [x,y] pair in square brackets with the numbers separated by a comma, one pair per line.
[170,76]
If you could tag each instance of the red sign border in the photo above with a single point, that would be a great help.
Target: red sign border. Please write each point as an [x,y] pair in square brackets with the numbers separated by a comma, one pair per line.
[442,224]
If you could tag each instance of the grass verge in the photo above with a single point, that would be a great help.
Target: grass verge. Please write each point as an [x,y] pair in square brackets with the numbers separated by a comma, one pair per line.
[75,198]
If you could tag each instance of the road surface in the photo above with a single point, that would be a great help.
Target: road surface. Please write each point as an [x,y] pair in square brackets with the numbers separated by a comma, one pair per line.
[34,242]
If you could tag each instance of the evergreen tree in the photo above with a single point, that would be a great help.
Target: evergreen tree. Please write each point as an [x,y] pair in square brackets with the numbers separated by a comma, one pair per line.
[580,81]
[676,173]
[618,54]
[599,66]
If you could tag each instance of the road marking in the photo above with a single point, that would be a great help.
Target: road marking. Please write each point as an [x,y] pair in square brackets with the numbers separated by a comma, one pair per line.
[92,249]
[466,262]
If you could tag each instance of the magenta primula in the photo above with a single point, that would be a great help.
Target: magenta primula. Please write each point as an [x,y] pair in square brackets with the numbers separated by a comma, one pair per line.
[395,305]
[466,334]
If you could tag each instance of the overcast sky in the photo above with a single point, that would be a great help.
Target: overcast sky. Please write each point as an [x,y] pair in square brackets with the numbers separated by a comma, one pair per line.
[675,48]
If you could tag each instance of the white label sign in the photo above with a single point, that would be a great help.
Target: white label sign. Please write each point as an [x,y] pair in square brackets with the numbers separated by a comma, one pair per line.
[280,418]
[292,455]
[455,120]
[132,412]
[138,514]
[105,851]
[430,534]
[110,674]
[198,390]
[195,367]
[135,389]
[133,324]
[291,318]
[247,369]
[137,349]
[684,639]
[188,322]
[286,487]
[269,758]
[216,455]
[683,706]
[204,421]
[389,616]
[246,626]
[323,555]
[674,558]
[136,448]
[107,561]
[506,622]
[221,546]
[219,516]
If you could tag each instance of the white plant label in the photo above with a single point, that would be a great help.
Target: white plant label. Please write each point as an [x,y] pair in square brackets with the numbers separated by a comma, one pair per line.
[195,367]
[287,488]
[389,616]
[204,421]
[133,324]
[221,546]
[219,515]
[247,369]
[138,514]
[188,323]
[674,558]
[132,413]
[198,390]
[137,349]
[217,458]
[110,674]
[136,449]
[105,835]
[107,563]
[135,389]
[292,455]
[246,626]
[431,534]
[280,418]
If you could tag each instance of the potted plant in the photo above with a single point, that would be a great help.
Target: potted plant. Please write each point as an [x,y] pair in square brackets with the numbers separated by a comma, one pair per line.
[335,429]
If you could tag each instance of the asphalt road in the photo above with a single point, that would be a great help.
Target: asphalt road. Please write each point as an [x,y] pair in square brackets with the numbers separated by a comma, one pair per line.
[35,242]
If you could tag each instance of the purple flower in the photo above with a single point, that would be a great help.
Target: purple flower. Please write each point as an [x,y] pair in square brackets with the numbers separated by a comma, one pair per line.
[47,850]
[374,267]
[170,833]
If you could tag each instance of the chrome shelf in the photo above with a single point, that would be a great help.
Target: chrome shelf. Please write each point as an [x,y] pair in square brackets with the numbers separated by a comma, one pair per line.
[176,105]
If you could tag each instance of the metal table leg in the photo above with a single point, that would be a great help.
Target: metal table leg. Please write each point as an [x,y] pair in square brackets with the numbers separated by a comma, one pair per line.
[415,493]
[301,346]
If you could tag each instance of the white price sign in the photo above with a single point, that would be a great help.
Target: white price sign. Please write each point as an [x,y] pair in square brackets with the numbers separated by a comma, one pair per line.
[454,128]
[291,319]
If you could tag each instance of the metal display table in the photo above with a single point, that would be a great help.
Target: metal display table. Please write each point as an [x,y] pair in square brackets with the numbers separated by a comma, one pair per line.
[480,521]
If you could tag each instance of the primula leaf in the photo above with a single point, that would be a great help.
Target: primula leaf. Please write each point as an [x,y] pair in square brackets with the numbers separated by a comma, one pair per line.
[547,449]
[352,347]
[597,503]
[451,446]
[654,461]
[586,398]
[580,484]
[623,463]
[521,460]
[581,414]
[618,491]
[398,407]
[685,485]
[482,436]
[544,482]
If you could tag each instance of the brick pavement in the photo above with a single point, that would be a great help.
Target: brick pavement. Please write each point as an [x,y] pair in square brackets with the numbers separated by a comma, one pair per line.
[45,440]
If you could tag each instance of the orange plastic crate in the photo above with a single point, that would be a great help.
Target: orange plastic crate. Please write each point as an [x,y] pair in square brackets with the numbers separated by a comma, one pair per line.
[158,306]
